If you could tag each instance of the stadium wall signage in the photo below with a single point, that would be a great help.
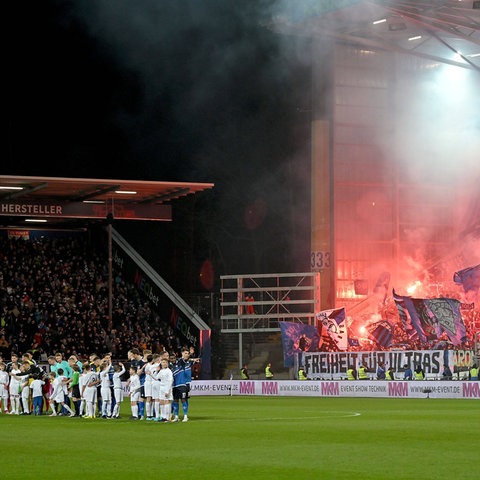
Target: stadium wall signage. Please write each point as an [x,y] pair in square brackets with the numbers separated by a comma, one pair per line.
[118,209]
[334,365]
[341,388]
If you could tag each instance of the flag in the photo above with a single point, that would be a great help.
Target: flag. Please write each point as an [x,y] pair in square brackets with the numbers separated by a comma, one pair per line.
[353,342]
[334,323]
[382,285]
[406,321]
[297,338]
[446,314]
[469,278]
[382,333]
[430,317]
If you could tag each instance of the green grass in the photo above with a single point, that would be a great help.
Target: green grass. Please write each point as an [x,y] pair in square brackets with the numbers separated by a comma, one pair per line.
[255,437]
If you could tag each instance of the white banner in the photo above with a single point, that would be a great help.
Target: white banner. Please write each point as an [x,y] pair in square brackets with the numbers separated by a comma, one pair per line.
[334,365]
[345,388]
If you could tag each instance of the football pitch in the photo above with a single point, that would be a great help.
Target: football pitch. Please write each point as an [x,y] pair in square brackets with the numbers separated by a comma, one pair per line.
[254,437]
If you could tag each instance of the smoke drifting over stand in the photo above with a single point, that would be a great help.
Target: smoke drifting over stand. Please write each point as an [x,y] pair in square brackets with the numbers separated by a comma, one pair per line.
[190,91]
[206,91]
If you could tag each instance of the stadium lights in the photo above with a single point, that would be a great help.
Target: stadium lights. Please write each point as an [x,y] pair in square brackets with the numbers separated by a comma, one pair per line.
[35,220]
[383,20]
[94,201]
[418,37]
[126,192]
[8,187]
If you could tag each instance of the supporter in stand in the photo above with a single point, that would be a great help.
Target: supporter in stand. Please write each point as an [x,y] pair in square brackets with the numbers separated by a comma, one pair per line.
[447,373]
[408,374]
[381,372]
[54,298]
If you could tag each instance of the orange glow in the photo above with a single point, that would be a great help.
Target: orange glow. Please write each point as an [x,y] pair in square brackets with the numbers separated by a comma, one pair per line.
[412,288]
[207,275]
[347,292]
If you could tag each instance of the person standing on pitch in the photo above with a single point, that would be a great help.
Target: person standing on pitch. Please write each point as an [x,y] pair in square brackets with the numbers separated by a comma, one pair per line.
[164,407]
[473,373]
[244,372]
[137,361]
[268,372]
[88,390]
[182,377]
[37,395]
[14,389]
[135,390]
[119,370]
[58,394]
[381,371]
[447,373]
[301,374]
[418,373]
[408,374]
[362,372]
[4,382]
[105,390]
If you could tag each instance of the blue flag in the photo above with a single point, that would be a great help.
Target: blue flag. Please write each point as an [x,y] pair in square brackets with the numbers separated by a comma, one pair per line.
[403,314]
[382,333]
[296,339]
[353,342]
[469,278]
[431,317]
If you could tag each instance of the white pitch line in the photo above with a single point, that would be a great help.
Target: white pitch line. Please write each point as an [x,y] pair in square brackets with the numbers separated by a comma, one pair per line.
[296,419]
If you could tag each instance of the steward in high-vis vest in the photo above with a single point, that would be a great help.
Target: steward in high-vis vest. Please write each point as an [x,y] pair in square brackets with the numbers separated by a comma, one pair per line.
[362,372]
[389,375]
[351,374]
[474,372]
[268,372]
[301,374]
[418,373]
[244,373]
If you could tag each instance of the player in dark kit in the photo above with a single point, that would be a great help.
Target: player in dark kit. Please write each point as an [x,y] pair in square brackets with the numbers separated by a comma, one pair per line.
[182,377]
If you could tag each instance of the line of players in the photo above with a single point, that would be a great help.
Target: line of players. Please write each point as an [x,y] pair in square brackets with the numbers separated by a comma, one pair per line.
[156,383]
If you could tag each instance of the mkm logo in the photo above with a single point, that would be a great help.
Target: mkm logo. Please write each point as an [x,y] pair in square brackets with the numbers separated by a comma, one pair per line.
[331,389]
[269,388]
[247,388]
[471,390]
[398,389]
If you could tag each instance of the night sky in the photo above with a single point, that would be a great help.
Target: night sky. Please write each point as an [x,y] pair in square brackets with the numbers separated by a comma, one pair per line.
[198,91]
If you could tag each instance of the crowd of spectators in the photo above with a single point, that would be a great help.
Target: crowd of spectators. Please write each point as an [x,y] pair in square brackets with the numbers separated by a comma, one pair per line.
[54,297]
